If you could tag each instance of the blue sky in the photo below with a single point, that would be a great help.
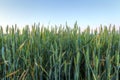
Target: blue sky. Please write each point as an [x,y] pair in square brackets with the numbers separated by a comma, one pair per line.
[85,12]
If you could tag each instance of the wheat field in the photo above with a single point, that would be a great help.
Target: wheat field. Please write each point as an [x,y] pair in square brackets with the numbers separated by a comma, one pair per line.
[59,53]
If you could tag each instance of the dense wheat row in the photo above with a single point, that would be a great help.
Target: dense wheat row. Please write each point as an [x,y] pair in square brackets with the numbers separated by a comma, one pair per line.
[59,53]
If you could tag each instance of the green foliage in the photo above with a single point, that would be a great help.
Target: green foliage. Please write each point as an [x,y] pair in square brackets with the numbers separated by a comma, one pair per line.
[59,53]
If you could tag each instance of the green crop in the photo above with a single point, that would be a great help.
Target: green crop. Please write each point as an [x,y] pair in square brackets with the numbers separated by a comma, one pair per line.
[59,53]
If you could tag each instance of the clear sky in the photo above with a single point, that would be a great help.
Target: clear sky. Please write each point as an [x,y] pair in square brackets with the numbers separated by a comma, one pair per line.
[85,12]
